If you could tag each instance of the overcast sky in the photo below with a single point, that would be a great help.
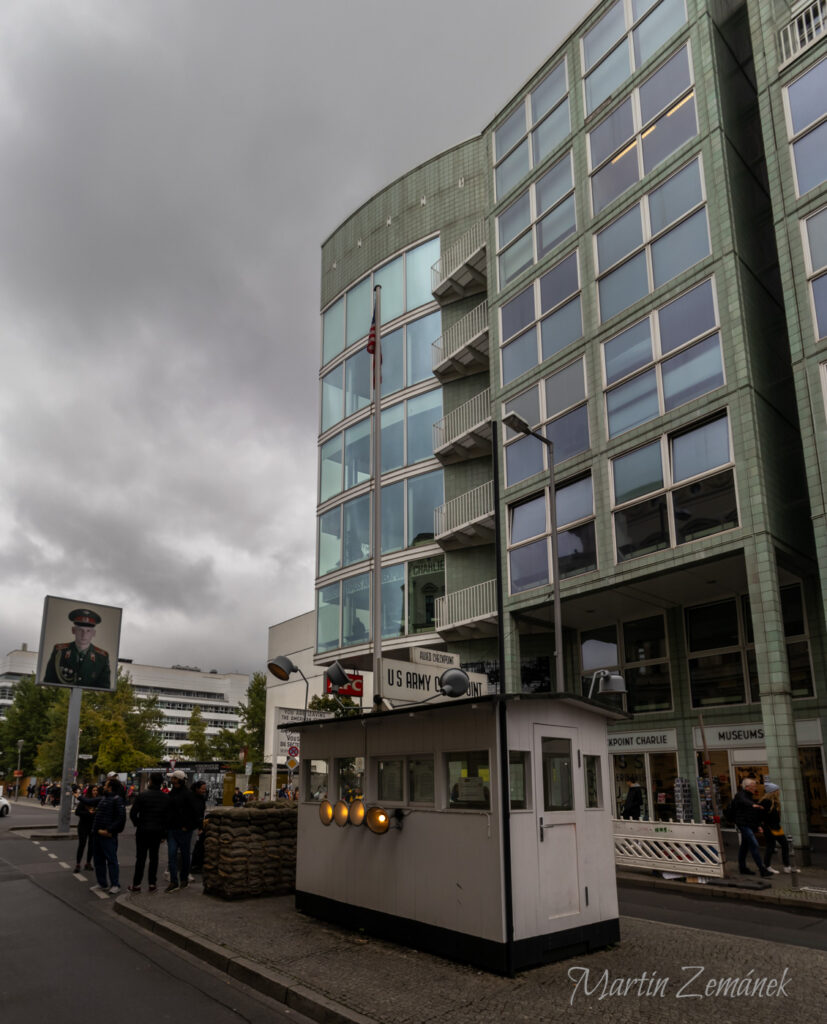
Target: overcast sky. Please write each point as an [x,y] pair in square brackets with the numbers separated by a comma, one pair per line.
[168,172]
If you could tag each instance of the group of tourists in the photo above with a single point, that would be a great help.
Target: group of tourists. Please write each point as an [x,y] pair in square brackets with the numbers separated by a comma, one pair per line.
[754,818]
[159,814]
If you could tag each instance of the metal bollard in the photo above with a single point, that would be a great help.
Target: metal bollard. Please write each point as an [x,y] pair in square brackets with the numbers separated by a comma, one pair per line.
[793,872]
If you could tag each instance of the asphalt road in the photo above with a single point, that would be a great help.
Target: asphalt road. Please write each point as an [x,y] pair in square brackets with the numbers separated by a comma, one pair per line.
[68,958]
[727,917]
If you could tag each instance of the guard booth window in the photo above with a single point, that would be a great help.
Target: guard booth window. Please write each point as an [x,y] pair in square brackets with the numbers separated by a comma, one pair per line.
[558,794]
[469,780]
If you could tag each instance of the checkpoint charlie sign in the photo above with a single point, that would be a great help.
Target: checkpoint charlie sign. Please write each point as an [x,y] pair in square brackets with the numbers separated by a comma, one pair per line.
[406,681]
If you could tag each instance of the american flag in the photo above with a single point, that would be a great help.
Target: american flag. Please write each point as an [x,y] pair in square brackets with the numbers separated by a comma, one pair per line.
[372,349]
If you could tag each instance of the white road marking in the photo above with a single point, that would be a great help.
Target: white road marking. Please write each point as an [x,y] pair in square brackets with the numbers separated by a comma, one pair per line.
[63,864]
[101,895]
[80,878]
[53,856]
[45,848]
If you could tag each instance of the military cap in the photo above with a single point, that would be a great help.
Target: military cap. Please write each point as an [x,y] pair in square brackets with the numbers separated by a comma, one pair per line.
[84,617]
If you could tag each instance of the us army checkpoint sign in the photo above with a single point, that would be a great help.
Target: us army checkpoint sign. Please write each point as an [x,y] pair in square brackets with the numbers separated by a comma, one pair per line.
[404,682]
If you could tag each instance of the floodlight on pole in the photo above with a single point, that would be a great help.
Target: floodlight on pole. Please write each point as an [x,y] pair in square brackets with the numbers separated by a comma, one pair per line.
[607,682]
[282,668]
[515,422]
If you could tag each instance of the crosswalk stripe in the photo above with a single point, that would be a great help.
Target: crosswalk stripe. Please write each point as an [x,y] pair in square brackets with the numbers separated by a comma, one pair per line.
[63,864]
[53,856]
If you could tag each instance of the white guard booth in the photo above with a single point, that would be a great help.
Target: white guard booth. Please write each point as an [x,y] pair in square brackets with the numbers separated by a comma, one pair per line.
[484,833]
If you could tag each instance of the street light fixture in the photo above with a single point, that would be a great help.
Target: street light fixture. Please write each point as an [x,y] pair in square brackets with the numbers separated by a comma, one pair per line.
[607,682]
[282,668]
[516,423]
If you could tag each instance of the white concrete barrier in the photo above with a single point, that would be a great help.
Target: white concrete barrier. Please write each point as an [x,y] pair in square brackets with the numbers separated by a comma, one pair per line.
[680,847]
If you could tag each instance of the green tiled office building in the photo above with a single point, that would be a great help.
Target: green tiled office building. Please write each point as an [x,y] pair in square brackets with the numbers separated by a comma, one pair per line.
[633,257]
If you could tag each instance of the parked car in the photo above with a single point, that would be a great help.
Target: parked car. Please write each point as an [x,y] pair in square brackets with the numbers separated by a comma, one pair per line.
[5,807]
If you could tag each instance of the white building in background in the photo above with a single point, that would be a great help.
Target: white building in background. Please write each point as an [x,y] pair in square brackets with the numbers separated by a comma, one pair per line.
[178,690]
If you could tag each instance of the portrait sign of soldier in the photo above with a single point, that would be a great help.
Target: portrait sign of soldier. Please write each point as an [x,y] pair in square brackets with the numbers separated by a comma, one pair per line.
[79,661]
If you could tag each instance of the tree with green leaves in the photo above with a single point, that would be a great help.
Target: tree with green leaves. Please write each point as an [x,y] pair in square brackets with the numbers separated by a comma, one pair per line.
[226,747]
[198,746]
[27,719]
[341,707]
[121,732]
[254,714]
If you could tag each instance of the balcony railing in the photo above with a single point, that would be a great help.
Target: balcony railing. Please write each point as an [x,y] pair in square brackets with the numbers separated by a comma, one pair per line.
[803,31]
[460,270]
[463,348]
[461,513]
[468,420]
[465,610]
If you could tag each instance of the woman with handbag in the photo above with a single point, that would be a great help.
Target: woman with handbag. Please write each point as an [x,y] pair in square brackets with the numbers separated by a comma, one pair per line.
[773,829]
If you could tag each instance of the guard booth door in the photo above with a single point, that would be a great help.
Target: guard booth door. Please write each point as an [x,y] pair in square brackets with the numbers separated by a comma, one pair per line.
[558,800]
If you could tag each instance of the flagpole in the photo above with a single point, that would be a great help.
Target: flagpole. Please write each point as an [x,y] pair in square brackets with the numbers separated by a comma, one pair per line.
[377,491]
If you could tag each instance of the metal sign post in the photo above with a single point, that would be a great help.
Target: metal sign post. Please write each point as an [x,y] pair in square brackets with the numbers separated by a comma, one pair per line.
[70,759]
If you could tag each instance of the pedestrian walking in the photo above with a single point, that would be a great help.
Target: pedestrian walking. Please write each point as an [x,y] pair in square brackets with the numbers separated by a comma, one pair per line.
[634,800]
[108,823]
[774,832]
[85,810]
[749,818]
[148,814]
[182,823]
[199,792]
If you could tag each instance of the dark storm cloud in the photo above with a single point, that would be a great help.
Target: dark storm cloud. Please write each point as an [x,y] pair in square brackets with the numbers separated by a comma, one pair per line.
[167,175]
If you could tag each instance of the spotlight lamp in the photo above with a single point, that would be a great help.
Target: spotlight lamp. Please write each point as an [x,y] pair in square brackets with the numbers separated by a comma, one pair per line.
[282,668]
[607,682]
[356,812]
[378,820]
[326,812]
[341,813]
[337,678]
[453,682]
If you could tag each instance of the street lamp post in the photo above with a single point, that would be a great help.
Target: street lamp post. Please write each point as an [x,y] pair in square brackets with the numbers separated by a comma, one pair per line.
[516,422]
[19,776]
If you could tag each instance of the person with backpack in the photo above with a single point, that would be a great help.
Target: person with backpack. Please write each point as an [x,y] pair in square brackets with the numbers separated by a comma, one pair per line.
[774,831]
[107,825]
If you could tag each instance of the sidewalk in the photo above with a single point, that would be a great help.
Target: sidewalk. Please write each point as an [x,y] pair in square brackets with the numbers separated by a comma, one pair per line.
[334,976]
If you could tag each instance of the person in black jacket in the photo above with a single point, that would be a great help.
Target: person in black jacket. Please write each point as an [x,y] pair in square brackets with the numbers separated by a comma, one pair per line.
[148,814]
[182,822]
[634,800]
[199,792]
[108,823]
[85,810]
[749,818]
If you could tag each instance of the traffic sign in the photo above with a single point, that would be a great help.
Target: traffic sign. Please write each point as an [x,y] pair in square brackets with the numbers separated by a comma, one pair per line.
[292,763]
[293,751]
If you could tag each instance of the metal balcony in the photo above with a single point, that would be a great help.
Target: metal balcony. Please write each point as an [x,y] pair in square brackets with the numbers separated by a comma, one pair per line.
[466,521]
[463,348]
[465,433]
[468,613]
[461,270]
[802,31]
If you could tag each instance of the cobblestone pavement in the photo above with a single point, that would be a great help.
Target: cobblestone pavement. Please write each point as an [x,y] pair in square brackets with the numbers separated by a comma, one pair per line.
[658,972]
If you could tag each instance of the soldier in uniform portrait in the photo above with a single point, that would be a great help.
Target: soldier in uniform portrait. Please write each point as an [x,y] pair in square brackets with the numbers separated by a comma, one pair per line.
[79,662]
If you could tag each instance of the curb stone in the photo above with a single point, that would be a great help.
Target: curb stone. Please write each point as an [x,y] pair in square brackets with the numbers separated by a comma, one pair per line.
[270,983]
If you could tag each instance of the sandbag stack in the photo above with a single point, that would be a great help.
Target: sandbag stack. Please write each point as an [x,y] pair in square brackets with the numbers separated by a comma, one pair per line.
[251,851]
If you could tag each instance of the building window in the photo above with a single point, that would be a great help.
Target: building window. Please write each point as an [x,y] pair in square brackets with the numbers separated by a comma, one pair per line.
[653,242]
[664,361]
[407,430]
[559,403]
[652,123]
[815,252]
[536,222]
[542,320]
[469,780]
[687,484]
[529,536]
[408,508]
[406,353]
[807,126]
[623,40]
[796,636]
[532,131]
[406,285]
[640,655]
[594,780]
